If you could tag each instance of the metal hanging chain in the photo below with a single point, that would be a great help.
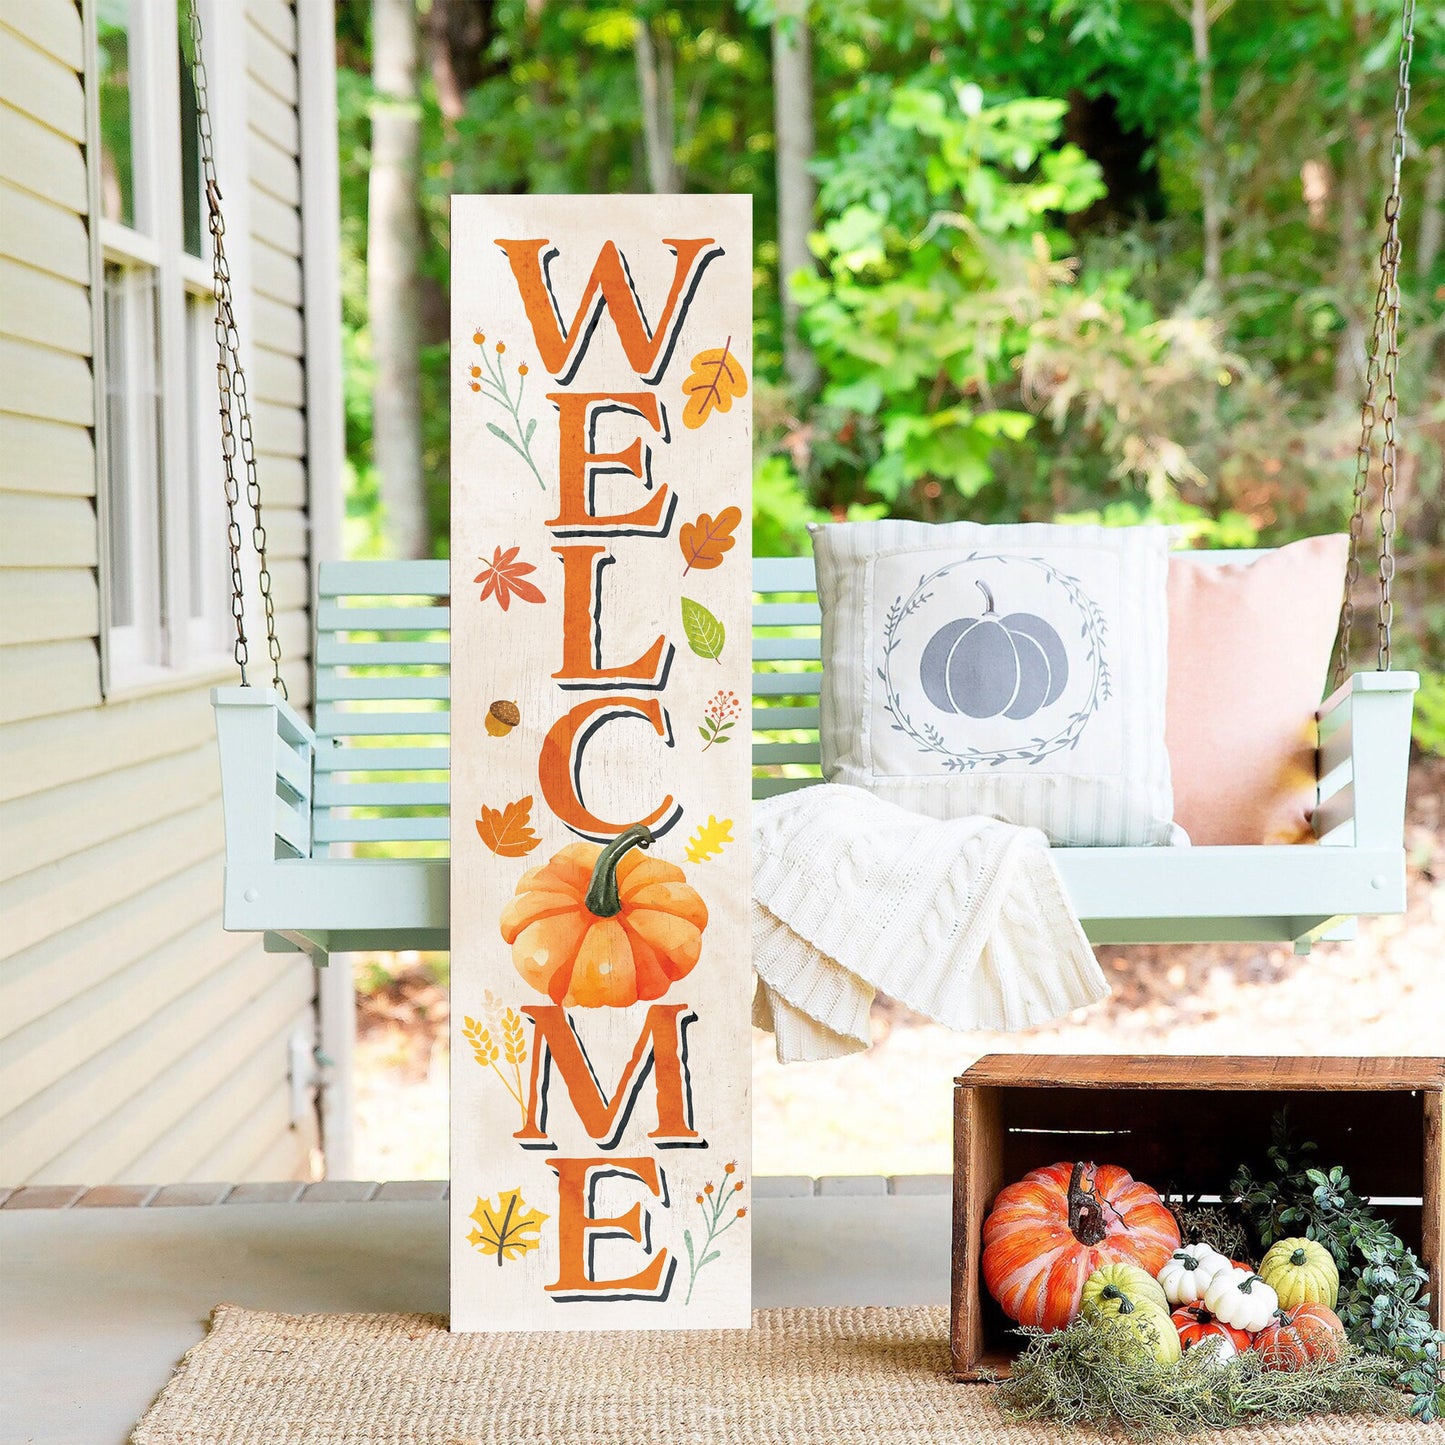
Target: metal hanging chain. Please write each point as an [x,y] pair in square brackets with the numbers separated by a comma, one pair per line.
[235,408]
[1382,364]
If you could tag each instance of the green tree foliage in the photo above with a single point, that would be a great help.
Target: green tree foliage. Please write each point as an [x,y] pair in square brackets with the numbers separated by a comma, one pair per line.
[1007,305]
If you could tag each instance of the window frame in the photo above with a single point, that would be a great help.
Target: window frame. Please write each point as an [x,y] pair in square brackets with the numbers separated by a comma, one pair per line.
[170,645]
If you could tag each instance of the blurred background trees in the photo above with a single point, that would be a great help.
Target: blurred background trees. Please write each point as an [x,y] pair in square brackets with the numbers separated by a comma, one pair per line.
[1015,259]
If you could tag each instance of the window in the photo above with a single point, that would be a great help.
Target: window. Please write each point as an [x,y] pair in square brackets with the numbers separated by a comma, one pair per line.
[165,575]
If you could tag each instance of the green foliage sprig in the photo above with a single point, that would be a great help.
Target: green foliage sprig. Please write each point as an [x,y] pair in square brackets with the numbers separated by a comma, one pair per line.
[1383,1299]
[1080,1376]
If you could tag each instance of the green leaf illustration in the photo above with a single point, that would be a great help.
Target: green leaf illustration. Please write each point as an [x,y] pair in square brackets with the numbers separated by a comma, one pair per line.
[705,634]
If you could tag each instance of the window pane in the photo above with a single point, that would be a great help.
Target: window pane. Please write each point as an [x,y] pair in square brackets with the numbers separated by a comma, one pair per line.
[132,470]
[209,572]
[192,190]
[118,137]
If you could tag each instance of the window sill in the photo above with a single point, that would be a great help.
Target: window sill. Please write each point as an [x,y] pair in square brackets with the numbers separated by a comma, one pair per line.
[152,681]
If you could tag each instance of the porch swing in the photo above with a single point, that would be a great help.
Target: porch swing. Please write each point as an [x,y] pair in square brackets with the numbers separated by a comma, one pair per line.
[370,775]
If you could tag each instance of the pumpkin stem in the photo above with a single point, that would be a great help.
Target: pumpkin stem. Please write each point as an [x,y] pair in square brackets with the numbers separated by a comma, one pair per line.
[1086,1214]
[1112,1291]
[1298,1257]
[602,899]
[1246,1286]
[987,596]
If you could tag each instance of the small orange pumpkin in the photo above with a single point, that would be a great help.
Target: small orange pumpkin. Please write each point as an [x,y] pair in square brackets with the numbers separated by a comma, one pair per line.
[602,927]
[1195,1325]
[1295,1337]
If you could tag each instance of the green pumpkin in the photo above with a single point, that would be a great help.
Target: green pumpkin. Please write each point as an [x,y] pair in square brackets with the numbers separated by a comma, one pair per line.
[1301,1271]
[1108,1284]
[1136,1328]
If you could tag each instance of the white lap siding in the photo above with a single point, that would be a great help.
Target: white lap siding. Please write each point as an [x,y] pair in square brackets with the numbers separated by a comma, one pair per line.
[138,1041]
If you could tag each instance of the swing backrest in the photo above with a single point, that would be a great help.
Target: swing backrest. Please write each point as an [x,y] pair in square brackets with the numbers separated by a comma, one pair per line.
[383,698]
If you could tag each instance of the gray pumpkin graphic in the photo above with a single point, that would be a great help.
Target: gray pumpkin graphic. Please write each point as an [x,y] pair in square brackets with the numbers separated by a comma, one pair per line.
[986,666]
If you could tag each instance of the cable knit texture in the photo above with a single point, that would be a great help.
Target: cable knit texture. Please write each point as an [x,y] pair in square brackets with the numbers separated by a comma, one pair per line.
[965,921]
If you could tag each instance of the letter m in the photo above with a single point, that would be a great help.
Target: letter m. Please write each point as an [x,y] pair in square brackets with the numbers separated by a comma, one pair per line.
[609,288]
[660,1052]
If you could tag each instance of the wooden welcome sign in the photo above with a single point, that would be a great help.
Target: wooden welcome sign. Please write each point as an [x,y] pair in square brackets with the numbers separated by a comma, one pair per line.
[600,669]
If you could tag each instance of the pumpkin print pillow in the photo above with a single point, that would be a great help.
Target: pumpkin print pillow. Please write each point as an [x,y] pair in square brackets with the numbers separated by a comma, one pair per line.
[1017,672]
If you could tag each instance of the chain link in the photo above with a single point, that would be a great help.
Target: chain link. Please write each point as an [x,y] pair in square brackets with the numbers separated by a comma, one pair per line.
[235,408]
[1382,365]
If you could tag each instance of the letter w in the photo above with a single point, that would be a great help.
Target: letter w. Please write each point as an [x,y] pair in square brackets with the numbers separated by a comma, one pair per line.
[661,1050]
[609,286]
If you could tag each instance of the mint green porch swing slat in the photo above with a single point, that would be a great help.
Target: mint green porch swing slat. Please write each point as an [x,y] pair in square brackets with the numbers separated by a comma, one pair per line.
[301,801]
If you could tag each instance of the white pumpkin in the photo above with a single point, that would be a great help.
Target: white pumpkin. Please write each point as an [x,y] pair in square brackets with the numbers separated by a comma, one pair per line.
[1240,1298]
[1187,1272]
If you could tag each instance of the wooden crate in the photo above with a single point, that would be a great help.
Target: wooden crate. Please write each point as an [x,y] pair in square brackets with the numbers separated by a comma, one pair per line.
[1184,1125]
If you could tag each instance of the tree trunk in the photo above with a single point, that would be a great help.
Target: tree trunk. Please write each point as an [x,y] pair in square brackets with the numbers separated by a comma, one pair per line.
[1201,15]
[393,244]
[659,107]
[1356,270]
[793,129]
[1432,214]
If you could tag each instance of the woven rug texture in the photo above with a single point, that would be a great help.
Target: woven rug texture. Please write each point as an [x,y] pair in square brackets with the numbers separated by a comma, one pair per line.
[798,1377]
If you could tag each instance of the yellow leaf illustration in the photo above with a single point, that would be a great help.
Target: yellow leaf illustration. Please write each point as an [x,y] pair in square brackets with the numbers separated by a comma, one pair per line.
[509,1228]
[716,378]
[710,839]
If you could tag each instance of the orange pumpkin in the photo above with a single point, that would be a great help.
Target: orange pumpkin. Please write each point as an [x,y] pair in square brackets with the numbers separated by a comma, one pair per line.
[1049,1232]
[1195,1325]
[602,927]
[1295,1337]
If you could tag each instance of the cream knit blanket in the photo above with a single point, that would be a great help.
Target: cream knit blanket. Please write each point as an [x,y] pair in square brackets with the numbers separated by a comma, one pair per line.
[966,922]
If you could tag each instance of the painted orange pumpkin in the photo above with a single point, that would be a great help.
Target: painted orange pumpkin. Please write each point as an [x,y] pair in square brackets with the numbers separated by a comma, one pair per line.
[1049,1232]
[1195,1325]
[603,927]
[1295,1337]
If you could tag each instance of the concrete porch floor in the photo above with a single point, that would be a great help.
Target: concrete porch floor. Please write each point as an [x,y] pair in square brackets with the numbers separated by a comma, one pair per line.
[97,1304]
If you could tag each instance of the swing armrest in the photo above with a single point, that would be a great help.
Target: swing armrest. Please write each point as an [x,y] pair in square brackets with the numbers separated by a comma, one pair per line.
[261,737]
[1363,762]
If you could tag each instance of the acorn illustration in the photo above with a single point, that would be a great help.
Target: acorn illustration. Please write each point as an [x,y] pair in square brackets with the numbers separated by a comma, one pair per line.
[502,717]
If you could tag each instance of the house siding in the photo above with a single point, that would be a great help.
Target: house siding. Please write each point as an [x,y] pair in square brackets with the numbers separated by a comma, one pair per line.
[139,1042]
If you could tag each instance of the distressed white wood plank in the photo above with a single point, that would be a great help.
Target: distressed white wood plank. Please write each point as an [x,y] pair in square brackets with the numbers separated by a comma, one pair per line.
[38,531]
[39,903]
[41,86]
[39,160]
[49,826]
[46,678]
[149,1081]
[585,774]
[283,482]
[36,455]
[48,605]
[40,382]
[44,309]
[50,25]
[43,235]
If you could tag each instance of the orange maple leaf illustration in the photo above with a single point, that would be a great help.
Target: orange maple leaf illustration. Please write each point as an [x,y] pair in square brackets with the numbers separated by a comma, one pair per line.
[503,576]
[716,378]
[704,541]
[507,831]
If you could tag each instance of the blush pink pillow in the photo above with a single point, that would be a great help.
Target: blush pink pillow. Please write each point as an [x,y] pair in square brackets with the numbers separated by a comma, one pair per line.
[1249,654]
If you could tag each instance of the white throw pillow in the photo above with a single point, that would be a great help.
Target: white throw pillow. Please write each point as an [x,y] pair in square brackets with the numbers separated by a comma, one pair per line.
[1014,671]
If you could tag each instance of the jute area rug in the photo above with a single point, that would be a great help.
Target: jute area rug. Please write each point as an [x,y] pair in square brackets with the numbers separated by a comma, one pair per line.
[799,1377]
